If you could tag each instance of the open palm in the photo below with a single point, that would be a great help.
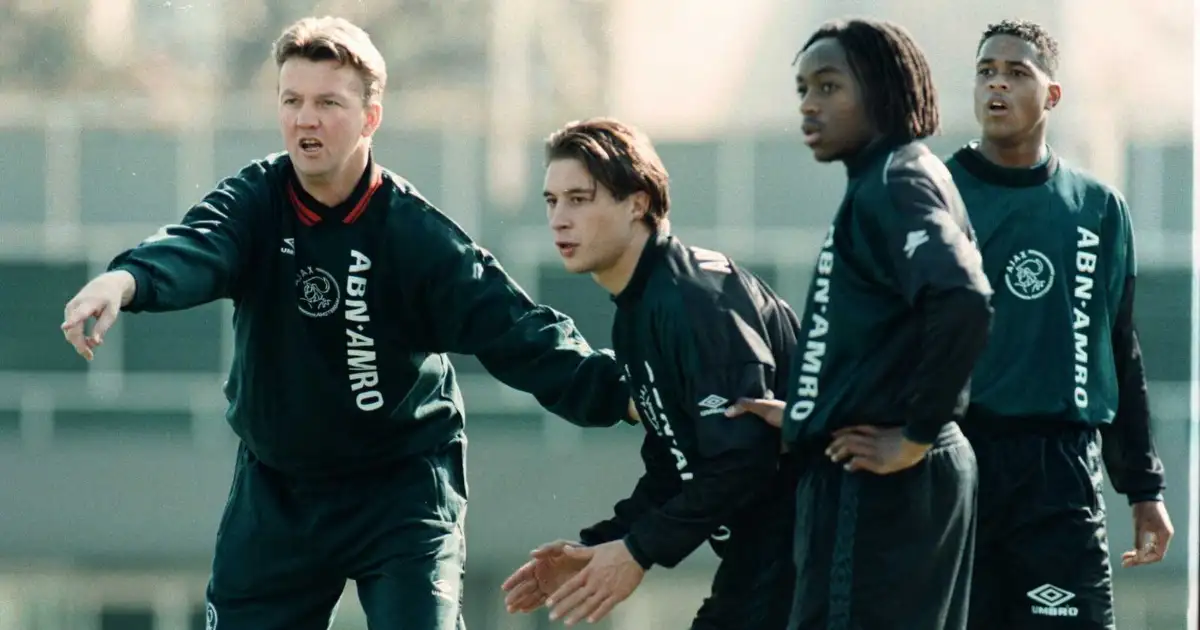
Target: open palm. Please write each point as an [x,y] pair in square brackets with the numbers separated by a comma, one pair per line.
[529,586]
[553,568]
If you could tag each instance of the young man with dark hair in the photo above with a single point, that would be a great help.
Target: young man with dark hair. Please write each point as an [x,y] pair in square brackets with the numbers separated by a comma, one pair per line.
[694,332]
[1064,367]
[349,289]
[896,316]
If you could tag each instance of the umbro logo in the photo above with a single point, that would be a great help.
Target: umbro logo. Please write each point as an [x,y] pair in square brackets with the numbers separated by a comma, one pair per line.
[1052,600]
[445,590]
[713,405]
[289,246]
[915,239]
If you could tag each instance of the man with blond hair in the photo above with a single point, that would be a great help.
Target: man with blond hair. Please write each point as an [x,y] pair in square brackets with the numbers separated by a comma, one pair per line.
[349,289]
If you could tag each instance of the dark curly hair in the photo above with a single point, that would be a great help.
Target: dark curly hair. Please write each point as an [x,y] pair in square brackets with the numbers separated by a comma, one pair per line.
[1031,32]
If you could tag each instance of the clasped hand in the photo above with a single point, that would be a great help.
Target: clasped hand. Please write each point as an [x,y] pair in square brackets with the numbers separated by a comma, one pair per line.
[577,582]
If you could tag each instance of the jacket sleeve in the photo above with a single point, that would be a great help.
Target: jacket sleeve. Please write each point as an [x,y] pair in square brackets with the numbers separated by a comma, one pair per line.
[472,306]
[201,258]
[655,487]
[722,356]
[939,271]
[1127,446]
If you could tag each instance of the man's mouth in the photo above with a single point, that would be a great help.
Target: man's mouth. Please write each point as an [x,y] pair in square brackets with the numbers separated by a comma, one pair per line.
[565,249]
[310,145]
[997,106]
[812,133]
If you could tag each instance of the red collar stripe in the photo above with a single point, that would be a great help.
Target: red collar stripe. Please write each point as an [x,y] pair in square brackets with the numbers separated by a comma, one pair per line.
[303,212]
[361,206]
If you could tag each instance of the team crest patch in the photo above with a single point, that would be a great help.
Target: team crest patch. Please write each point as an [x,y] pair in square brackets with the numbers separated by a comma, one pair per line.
[1029,274]
[210,617]
[317,292]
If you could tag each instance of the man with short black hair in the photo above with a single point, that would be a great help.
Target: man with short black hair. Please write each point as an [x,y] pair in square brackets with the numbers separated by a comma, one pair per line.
[1064,367]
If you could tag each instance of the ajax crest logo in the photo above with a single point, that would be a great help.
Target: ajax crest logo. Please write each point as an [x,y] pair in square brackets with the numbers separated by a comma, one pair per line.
[317,292]
[1029,274]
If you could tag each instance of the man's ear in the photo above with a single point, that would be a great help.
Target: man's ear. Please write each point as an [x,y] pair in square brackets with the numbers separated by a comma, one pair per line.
[374,118]
[639,205]
[1054,96]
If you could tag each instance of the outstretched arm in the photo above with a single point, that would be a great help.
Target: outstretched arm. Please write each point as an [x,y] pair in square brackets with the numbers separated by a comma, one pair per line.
[475,307]
[201,258]
[187,264]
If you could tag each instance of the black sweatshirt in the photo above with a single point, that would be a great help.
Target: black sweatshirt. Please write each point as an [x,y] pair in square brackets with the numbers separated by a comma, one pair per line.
[343,317]
[1059,246]
[695,332]
[897,312]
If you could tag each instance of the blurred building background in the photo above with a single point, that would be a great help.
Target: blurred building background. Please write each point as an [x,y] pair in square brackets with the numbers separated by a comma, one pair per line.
[116,115]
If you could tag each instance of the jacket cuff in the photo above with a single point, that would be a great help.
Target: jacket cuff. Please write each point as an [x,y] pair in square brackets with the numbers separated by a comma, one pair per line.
[599,534]
[922,432]
[141,286]
[1145,497]
[639,554]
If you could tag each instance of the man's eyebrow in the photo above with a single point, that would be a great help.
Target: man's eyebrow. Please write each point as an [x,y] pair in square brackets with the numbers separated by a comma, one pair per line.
[319,96]
[571,191]
[1012,62]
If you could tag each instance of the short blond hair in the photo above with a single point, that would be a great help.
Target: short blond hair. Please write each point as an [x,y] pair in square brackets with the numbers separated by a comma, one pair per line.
[335,39]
